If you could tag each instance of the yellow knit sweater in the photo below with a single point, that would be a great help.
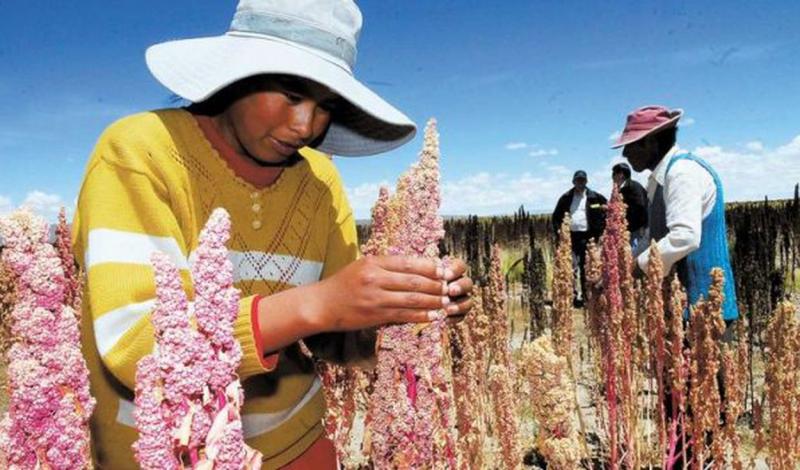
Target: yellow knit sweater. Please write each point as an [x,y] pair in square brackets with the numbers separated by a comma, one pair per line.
[150,184]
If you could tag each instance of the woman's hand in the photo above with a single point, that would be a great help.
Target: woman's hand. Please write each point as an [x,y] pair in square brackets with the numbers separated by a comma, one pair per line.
[459,288]
[379,290]
[370,292]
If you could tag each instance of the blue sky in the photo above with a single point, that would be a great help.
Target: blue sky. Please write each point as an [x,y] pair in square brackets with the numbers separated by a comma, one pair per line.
[525,92]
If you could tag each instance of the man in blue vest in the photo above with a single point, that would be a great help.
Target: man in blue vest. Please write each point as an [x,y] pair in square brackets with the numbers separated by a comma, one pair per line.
[686,205]
[686,212]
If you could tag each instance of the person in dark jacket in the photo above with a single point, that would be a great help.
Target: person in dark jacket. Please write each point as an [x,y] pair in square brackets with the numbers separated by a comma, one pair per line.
[635,197]
[587,220]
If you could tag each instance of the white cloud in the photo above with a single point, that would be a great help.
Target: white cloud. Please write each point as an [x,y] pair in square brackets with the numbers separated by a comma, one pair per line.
[42,203]
[39,202]
[686,122]
[756,172]
[755,146]
[614,136]
[485,193]
[45,204]
[516,145]
[535,149]
[543,152]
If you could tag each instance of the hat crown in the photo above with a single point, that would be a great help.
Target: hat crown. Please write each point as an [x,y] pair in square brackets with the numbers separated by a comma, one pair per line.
[649,116]
[646,120]
[328,26]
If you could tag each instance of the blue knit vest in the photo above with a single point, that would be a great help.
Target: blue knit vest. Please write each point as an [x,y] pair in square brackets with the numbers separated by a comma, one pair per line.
[694,271]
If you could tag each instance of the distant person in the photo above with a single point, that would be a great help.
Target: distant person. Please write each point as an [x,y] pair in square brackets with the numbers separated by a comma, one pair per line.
[635,197]
[686,204]
[588,220]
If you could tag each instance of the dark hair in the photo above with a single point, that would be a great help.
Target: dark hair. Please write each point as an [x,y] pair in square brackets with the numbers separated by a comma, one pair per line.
[226,96]
[622,168]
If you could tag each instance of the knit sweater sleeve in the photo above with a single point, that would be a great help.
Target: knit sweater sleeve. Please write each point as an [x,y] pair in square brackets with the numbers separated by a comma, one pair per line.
[126,211]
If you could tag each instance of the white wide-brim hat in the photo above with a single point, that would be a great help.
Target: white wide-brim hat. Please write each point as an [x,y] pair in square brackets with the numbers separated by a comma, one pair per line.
[313,39]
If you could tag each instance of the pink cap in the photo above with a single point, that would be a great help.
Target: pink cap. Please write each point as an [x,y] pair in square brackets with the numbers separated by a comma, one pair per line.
[645,121]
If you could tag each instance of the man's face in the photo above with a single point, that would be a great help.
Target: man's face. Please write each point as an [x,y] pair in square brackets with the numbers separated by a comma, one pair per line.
[579,184]
[642,154]
[618,177]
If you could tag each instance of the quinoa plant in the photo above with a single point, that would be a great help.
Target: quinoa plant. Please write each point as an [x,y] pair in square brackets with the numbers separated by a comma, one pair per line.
[47,422]
[677,376]
[411,419]
[73,279]
[734,369]
[563,281]
[469,388]
[551,401]
[705,334]
[782,386]
[657,329]
[494,304]
[7,301]
[188,396]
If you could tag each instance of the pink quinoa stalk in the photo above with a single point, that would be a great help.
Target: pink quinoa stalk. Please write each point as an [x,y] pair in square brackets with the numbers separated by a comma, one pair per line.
[782,383]
[502,369]
[343,385]
[188,396]
[469,388]
[478,323]
[563,279]
[47,421]
[563,321]
[734,371]
[8,299]
[495,308]
[503,378]
[72,278]
[628,334]
[378,242]
[612,243]
[705,334]
[507,421]
[553,407]
[678,376]
[656,328]
[411,415]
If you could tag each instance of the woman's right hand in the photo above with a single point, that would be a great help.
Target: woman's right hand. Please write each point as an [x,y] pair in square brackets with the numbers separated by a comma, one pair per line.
[379,290]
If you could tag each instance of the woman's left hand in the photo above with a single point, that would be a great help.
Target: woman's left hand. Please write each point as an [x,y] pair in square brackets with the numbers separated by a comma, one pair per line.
[459,287]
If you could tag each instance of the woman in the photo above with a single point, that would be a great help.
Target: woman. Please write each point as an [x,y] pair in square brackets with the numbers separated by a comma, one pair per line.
[265,95]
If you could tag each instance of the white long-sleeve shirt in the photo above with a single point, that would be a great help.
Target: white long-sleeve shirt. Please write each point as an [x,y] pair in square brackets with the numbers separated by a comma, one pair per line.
[689,197]
[577,212]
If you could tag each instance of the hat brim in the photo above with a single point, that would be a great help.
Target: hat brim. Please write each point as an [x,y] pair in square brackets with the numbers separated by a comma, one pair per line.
[195,69]
[631,137]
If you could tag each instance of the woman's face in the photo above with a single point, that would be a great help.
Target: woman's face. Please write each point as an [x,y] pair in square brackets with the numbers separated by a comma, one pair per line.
[281,115]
